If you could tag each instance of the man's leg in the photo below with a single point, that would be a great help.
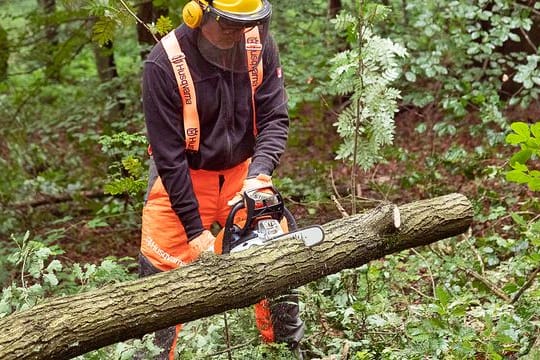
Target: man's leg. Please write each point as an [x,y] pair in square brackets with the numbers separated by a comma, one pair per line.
[278,320]
[164,338]
[164,243]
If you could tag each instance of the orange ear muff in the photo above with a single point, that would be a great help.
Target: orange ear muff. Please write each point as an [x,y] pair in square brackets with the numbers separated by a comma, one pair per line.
[192,14]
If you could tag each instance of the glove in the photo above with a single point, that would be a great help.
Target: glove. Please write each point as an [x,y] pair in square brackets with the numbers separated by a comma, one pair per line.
[259,182]
[203,242]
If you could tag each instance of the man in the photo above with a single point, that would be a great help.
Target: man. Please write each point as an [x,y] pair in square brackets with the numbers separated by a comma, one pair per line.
[217,122]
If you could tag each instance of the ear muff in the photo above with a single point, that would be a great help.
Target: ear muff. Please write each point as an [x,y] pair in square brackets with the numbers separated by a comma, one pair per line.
[192,13]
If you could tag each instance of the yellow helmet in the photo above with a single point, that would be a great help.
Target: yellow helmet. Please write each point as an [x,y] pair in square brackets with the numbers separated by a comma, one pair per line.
[241,7]
[239,12]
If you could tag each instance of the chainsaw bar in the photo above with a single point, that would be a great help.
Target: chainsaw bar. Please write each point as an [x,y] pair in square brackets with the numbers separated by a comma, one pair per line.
[310,236]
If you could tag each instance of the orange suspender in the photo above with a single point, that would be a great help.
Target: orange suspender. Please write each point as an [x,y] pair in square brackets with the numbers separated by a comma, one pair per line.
[255,67]
[186,86]
[186,89]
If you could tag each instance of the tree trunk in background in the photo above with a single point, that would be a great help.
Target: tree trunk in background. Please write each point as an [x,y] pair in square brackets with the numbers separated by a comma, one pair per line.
[334,6]
[68,326]
[51,34]
[51,29]
[105,64]
[4,53]
[529,44]
[148,13]
[106,69]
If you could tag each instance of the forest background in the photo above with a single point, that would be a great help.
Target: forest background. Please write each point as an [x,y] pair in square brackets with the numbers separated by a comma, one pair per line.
[396,100]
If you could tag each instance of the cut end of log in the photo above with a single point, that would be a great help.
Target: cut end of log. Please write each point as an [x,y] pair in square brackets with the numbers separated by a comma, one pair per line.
[397,218]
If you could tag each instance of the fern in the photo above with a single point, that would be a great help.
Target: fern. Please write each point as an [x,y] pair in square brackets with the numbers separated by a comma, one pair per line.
[365,74]
[103,31]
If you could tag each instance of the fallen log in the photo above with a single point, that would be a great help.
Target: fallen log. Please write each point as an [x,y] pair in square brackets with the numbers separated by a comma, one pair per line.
[65,327]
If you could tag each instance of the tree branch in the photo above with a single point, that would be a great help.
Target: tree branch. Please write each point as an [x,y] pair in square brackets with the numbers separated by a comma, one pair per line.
[72,325]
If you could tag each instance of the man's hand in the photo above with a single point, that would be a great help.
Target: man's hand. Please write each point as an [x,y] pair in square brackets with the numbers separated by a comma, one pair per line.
[259,182]
[203,242]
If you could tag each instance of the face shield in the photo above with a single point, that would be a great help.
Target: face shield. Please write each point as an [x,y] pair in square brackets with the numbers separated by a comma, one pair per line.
[224,36]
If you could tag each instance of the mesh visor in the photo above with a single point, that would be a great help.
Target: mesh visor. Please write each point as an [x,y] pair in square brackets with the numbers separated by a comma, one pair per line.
[222,42]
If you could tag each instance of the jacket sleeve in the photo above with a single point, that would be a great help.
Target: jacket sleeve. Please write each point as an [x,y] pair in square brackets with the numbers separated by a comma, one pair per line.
[164,124]
[272,114]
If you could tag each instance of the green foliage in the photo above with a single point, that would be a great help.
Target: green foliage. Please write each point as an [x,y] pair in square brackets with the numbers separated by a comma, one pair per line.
[458,58]
[528,74]
[30,258]
[365,73]
[128,175]
[528,139]
[125,350]
[103,31]
[111,16]
[41,274]
[306,41]
[205,338]
[400,308]
[164,25]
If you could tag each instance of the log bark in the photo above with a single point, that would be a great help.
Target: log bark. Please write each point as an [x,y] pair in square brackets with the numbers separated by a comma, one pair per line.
[69,326]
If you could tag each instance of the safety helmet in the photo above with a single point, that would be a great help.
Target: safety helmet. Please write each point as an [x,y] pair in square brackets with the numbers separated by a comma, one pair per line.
[223,24]
[238,12]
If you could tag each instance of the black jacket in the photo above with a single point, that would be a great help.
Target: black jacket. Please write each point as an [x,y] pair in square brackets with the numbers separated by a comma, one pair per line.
[226,121]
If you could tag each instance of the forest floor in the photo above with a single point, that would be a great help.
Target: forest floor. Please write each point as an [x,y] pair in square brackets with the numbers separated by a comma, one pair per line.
[407,175]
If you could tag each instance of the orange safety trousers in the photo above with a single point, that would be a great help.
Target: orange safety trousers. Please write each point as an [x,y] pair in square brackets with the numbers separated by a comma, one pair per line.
[164,242]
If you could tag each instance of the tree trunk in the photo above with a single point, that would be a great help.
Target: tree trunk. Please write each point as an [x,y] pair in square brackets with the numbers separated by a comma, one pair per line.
[51,28]
[68,326]
[148,13]
[4,54]
[105,63]
[334,6]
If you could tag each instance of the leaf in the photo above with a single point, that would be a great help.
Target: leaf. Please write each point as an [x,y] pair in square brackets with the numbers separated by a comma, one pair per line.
[376,320]
[164,25]
[90,270]
[514,139]
[521,157]
[51,279]
[442,295]
[534,184]
[510,288]
[410,76]
[96,223]
[517,176]
[55,265]
[521,129]
[535,130]
[421,128]
[103,31]
[78,272]
[518,219]
[520,167]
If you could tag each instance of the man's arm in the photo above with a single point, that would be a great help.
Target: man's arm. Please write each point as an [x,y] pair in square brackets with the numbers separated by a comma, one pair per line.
[164,124]
[272,114]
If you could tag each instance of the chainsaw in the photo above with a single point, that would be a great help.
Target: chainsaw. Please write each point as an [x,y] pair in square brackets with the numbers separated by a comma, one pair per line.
[264,219]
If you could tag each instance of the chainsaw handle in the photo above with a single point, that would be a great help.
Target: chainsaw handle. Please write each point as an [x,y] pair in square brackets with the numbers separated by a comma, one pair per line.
[229,227]
[256,207]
